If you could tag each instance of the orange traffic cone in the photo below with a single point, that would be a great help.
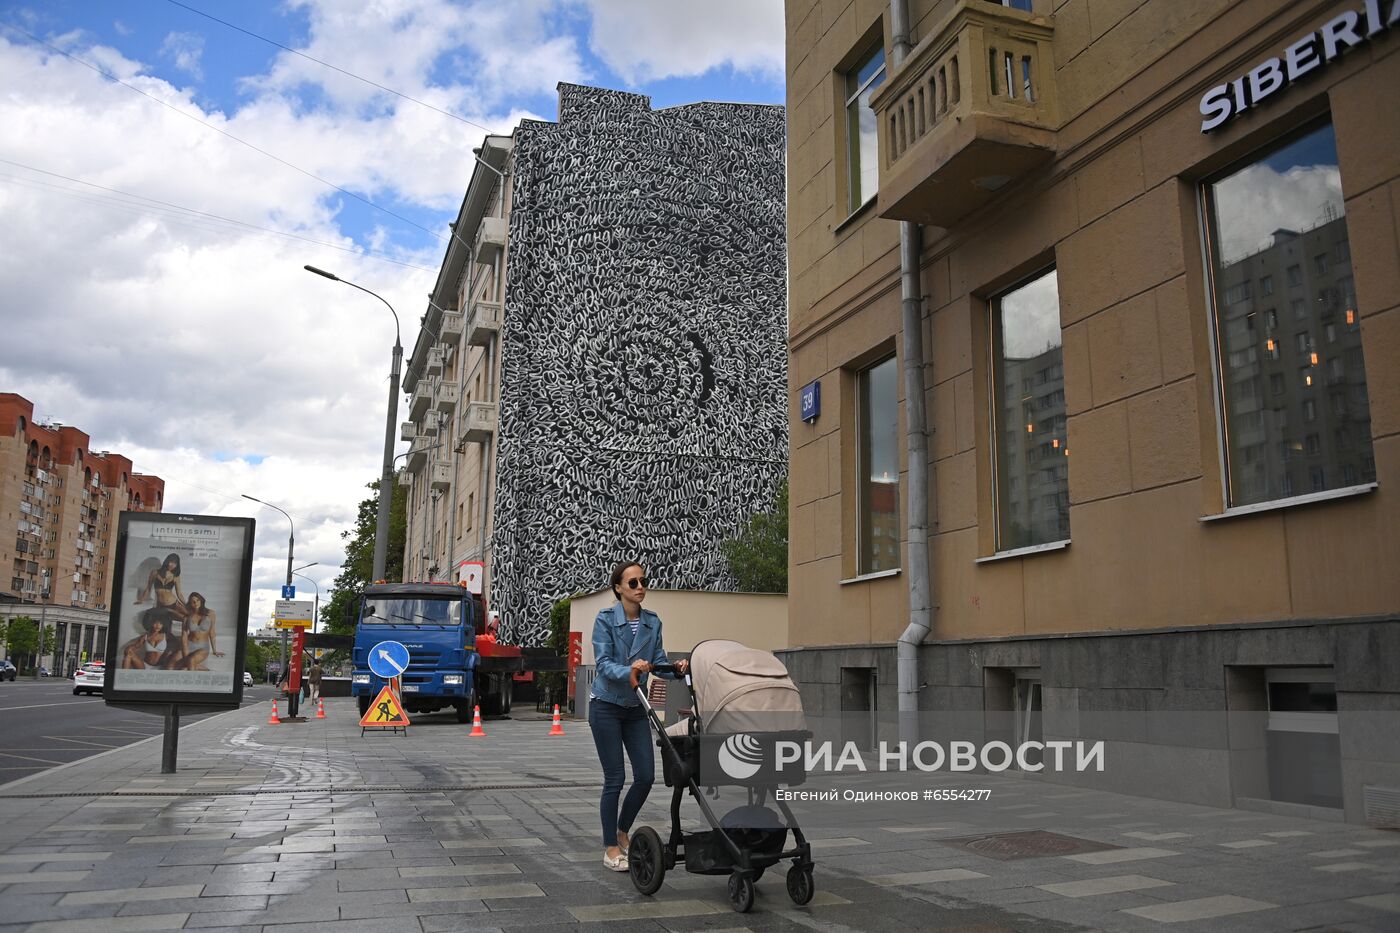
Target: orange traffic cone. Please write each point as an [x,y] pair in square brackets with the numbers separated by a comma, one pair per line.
[320,708]
[477,731]
[273,720]
[558,727]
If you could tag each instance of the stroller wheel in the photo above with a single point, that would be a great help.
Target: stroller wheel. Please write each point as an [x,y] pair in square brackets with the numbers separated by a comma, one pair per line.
[645,860]
[800,885]
[740,893]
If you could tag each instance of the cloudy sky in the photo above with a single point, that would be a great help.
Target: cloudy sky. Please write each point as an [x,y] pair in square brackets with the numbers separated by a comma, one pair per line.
[164,176]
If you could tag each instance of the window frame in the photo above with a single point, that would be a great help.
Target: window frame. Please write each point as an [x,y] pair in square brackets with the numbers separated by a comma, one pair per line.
[863,566]
[1208,251]
[850,97]
[993,344]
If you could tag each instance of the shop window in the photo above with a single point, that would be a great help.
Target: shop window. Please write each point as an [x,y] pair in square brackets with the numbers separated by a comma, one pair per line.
[878,465]
[1286,198]
[862,131]
[1025,327]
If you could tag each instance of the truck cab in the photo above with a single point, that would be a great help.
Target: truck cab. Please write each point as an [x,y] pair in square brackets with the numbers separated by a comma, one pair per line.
[450,665]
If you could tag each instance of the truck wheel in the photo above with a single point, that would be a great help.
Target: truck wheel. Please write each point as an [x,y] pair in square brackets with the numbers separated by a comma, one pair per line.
[464,710]
[364,706]
[506,696]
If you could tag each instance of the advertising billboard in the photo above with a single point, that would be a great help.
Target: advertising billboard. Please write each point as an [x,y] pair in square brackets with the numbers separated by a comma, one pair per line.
[179,609]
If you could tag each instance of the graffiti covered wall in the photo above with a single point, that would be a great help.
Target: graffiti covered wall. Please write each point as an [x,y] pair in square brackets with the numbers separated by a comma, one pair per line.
[643,402]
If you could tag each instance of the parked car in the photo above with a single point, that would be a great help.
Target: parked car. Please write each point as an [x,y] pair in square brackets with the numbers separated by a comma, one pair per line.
[44,671]
[7,671]
[89,677]
[247,679]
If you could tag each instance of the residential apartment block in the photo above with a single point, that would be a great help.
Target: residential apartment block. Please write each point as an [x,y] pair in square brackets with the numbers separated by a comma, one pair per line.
[601,373]
[61,499]
[1153,294]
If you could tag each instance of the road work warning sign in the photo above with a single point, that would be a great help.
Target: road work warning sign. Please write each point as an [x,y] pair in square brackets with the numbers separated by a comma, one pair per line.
[386,712]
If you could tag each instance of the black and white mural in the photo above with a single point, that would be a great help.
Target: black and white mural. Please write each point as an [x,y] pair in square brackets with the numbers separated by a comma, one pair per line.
[643,403]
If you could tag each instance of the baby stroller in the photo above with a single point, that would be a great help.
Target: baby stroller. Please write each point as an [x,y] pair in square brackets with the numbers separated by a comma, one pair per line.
[743,703]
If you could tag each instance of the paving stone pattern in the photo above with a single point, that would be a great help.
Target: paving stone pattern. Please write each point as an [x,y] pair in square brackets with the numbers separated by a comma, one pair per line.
[309,826]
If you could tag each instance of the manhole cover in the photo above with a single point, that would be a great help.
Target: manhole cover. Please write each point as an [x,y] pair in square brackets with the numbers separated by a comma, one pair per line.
[1034,844]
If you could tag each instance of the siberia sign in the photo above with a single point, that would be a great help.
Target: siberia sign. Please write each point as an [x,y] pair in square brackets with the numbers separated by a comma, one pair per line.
[1315,50]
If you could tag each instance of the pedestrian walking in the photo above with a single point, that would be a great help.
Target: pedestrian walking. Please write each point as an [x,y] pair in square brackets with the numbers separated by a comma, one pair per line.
[626,645]
[313,678]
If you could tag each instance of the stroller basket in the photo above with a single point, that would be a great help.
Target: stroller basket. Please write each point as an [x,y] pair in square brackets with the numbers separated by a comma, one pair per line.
[737,760]
[705,851]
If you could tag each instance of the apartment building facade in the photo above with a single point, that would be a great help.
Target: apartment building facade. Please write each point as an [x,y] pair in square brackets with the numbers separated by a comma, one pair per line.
[61,498]
[1158,343]
[602,368]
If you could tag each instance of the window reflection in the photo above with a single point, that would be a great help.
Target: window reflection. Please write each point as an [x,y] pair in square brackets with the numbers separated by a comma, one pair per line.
[1032,449]
[1281,218]
[878,463]
[862,151]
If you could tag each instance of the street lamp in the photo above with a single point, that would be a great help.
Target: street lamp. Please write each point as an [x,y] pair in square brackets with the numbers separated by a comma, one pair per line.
[291,545]
[386,478]
[44,594]
[316,610]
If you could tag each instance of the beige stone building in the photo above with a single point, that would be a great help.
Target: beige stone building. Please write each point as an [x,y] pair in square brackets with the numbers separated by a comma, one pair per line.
[60,500]
[453,381]
[1160,341]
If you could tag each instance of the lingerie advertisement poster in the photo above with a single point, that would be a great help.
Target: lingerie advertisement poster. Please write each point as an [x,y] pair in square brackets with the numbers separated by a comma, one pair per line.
[179,608]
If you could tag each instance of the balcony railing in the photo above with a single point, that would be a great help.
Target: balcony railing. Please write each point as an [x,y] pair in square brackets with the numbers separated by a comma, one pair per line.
[433,367]
[451,330]
[970,110]
[441,475]
[491,239]
[485,323]
[421,401]
[479,422]
[447,396]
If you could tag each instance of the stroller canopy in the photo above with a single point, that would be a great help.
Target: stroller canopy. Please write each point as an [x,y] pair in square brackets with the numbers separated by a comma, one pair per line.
[740,689]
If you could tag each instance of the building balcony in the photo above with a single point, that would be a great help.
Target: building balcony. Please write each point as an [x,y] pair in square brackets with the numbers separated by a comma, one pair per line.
[968,112]
[479,422]
[451,330]
[491,239]
[417,455]
[408,431]
[405,478]
[430,424]
[485,323]
[421,400]
[433,365]
[441,475]
[447,397]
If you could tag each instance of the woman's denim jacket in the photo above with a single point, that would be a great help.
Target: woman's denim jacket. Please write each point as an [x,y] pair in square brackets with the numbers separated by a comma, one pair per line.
[614,650]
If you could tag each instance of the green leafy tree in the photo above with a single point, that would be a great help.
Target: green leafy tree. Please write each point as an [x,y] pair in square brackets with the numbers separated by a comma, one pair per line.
[758,554]
[21,638]
[255,659]
[356,572]
[553,683]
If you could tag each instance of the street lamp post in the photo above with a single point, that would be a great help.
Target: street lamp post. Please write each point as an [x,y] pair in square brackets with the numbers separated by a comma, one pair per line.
[386,478]
[291,546]
[316,609]
[43,619]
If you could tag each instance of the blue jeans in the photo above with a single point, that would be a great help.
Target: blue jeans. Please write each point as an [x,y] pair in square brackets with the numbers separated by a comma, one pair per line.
[615,728]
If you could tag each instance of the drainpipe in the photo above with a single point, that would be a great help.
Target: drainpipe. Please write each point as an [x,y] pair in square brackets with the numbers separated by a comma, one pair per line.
[916,431]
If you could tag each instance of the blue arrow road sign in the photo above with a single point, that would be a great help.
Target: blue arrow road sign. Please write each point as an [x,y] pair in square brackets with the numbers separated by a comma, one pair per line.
[289,592]
[388,659]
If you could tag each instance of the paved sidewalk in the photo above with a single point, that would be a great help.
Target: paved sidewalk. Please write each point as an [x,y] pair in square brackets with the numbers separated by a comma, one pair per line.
[298,826]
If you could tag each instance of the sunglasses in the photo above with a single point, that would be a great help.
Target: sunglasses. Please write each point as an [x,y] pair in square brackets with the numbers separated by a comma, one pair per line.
[635,582]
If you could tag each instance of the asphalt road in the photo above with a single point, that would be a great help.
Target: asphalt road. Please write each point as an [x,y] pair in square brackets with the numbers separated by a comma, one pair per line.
[43,724]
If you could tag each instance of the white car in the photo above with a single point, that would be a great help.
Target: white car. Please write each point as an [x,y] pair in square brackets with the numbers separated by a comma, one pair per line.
[247,679]
[88,678]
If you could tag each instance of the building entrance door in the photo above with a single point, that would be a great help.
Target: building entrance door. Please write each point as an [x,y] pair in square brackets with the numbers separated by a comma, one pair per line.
[1302,738]
[1029,727]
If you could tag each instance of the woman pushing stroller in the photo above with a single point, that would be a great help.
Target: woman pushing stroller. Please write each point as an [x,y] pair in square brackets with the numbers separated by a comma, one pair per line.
[626,646]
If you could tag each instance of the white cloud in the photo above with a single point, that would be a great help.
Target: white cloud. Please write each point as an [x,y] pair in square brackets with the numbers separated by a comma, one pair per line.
[1251,204]
[184,50]
[643,40]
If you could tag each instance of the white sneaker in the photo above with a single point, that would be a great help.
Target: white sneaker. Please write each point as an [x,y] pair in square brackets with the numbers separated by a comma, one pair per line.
[615,863]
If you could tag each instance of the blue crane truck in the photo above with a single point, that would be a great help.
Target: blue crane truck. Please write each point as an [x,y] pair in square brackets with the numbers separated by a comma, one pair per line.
[455,662]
